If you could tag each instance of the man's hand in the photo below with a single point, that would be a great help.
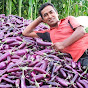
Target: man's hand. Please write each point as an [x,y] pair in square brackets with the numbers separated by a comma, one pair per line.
[58,46]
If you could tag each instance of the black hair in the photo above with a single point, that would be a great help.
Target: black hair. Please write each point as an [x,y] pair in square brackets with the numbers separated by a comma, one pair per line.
[44,5]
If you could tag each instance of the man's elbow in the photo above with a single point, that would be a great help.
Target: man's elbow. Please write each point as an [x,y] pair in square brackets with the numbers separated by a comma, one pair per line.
[83,31]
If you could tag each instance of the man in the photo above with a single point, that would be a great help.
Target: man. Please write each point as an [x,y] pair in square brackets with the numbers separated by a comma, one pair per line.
[67,35]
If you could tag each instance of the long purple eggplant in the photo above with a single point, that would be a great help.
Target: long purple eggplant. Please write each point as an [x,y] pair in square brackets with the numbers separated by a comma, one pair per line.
[19,38]
[14,69]
[15,57]
[73,64]
[44,65]
[7,40]
[22,45]
[2,72]
[63,73]
[39,77]
[63,82]
[44,51]
[2,65]
[54,57]
[8,80]
[40,70]
[23,83]
[74,78]
[4,56]
[14,44]
[54,84]
[6,86]
[57,68]
[83,83]
[42,42]
[33,63]
[38,64]
[21,52]
[3,76]
[79,85]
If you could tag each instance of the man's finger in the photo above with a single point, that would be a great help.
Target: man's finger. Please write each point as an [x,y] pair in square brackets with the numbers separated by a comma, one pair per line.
[52,44]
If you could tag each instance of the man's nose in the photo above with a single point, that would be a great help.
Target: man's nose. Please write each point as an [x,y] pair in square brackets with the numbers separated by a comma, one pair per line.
[49,15]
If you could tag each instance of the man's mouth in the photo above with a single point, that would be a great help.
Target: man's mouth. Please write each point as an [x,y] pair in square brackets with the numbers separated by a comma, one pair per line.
[51,20]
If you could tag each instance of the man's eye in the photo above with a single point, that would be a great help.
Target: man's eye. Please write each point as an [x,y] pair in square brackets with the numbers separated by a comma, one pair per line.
[45,15]
[51,12]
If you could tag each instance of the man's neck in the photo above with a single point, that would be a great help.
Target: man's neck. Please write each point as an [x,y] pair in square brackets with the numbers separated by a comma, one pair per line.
[55,26]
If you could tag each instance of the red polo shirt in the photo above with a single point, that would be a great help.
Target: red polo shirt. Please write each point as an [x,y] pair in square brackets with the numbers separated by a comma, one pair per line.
[64,31]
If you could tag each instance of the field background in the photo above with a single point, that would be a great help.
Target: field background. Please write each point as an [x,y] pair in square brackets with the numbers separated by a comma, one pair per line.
[29,8]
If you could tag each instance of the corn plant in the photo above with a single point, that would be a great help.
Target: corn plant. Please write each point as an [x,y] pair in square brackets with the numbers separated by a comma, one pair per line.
[29,8]
[8,6]
[20,5]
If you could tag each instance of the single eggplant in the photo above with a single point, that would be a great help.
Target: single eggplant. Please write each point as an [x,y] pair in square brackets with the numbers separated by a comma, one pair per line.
[63,82]
[23,83]
[39,42]
[21,52]
[22,45]
[4,56]
[79,85]
[63,73]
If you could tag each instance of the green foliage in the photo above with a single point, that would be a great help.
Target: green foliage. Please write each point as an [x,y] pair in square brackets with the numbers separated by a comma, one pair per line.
[29,8]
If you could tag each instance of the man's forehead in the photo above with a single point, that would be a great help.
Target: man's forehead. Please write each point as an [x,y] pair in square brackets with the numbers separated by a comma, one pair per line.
[47,9]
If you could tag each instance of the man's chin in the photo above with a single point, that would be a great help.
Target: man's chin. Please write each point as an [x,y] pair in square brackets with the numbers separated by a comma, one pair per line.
[53,24]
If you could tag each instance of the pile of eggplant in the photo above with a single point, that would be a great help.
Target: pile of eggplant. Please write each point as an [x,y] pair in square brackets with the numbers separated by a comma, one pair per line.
[27,62]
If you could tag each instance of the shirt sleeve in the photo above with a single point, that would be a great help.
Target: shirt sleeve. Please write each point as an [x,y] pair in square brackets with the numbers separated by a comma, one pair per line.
[45,35]
[73,22]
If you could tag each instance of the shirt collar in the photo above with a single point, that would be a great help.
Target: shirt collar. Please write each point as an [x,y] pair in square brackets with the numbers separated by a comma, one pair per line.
[59,22]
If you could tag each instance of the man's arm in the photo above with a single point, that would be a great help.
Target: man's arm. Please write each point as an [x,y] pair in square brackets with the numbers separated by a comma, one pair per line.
[77,34]
[29,29]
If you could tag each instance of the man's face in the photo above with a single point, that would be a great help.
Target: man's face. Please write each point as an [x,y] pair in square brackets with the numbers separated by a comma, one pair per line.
[50,16]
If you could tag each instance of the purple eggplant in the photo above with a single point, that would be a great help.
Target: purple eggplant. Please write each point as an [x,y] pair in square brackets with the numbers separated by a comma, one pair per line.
[14,44]
[39,77]
[54,57]
[57,68]
[44,51]
[15,57]
[31,87]
[3,76]
[39,42]
[7,40]
[40,70]
[14,69]
[74,78]
[23,83]
[6,86]
[8,80]
[73,64]
[19,38]
[33,63]
[21,52]
[63,82]
[63,73]
[54,84]
[22,45]
[2,65]
[44,64]
[4,56]
[79,85]
[38,64]
[83,83]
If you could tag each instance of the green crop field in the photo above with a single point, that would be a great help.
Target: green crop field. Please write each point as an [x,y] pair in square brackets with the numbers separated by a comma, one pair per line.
[29,8]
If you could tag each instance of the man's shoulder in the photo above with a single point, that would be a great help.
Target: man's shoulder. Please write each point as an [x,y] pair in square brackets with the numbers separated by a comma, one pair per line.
[70,17]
